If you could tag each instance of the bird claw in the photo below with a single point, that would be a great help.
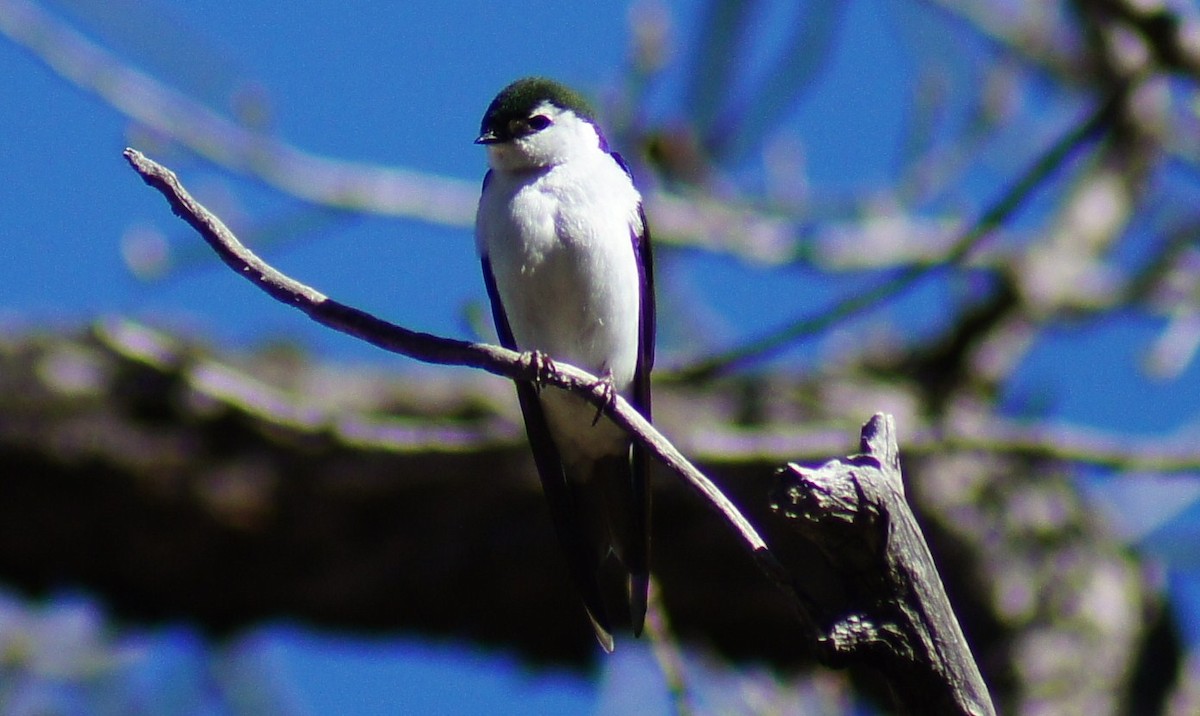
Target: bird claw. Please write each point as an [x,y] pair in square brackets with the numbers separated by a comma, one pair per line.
[606,385]
[542,366]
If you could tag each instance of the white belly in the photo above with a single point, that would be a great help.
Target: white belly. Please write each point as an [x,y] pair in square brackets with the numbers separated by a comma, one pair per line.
[562,254]
[579,305]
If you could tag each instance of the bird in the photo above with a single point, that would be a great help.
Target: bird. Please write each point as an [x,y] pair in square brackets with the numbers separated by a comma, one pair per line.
[567,263]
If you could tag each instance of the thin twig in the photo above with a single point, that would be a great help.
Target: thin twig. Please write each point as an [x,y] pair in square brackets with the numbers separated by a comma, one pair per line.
[1012,199]
[444,351]
[668,653]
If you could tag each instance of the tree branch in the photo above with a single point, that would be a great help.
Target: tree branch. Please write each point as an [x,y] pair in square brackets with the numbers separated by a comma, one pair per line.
[893,613]
[445,351]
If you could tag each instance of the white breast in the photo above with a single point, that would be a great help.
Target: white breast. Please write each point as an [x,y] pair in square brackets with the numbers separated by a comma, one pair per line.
[561,248]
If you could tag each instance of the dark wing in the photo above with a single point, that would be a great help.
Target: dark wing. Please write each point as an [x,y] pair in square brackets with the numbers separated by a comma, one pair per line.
[581,561]
[638,562]
[645,259]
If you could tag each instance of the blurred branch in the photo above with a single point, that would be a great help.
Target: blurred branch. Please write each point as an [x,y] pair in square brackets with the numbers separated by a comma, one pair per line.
[323,410]
[718,49]
[246,487]
[668,652]
[1067,443]
[351,186]
[1035,32]
[1036,37]
[983,433]
[794,69]
[1171,37]
[1013,198]
[258,487]
[1129,39]
[338,184]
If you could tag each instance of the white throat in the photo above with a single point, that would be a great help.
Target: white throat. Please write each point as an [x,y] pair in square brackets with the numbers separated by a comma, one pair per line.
[568,137]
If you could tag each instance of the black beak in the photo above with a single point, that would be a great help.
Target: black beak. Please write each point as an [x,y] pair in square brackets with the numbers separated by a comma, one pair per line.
[488,137]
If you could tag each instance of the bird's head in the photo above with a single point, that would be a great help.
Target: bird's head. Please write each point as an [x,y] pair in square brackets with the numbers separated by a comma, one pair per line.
[535,123]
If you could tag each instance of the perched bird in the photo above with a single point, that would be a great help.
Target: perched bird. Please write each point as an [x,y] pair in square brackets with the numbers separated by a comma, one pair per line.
[566,259]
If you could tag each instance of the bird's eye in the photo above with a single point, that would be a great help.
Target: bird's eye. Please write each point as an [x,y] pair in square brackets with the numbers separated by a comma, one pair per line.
[538,122]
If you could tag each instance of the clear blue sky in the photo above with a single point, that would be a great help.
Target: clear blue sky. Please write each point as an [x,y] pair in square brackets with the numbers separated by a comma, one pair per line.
[405,84]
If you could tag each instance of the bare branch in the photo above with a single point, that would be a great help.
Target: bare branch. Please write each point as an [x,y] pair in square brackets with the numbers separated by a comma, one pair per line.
[894,613]
[444,351]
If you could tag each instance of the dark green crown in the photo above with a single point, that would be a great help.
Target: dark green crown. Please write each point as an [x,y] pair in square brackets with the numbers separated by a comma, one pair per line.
[517,101]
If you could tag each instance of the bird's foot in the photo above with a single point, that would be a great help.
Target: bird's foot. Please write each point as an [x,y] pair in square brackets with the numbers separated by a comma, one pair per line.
[542,366]
[605,384]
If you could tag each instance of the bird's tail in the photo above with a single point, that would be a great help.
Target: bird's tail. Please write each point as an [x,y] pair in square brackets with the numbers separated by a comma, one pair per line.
[625,515]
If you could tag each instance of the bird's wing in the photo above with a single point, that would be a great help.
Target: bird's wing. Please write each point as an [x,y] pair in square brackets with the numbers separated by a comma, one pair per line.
[640,236]
[638,558]
[581,562]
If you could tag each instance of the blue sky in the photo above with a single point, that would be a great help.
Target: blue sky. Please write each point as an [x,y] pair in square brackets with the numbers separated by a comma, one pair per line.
[405,84]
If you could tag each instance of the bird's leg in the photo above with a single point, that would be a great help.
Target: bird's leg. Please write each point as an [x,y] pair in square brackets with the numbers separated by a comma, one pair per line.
[542,365]
[606,385]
